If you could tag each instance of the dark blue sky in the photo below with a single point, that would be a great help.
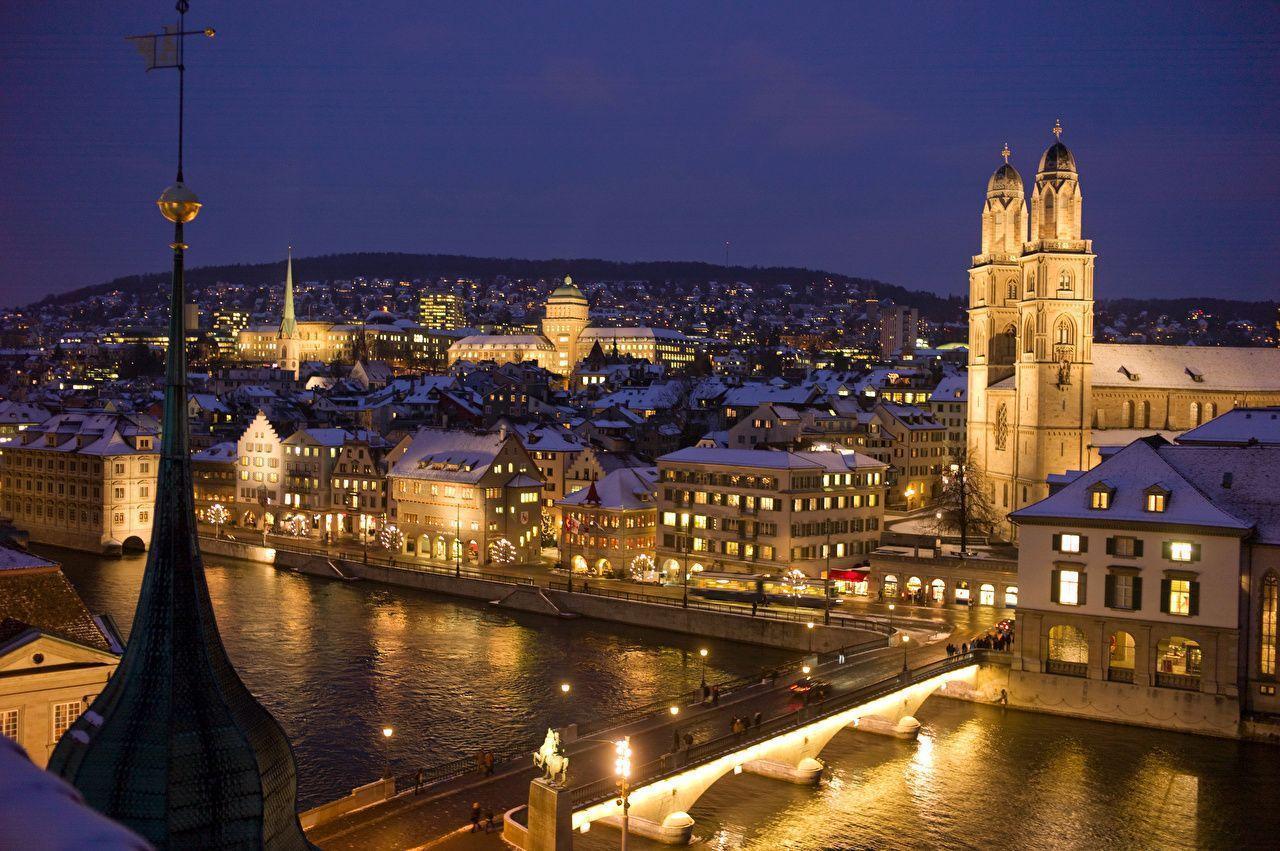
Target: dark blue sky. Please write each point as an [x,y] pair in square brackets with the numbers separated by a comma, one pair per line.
[853,137]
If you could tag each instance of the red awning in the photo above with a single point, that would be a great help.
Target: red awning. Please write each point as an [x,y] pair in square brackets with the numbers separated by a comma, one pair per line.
[849,575]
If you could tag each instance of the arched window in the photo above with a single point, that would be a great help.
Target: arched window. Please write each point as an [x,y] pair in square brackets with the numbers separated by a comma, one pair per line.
[1121,657]
[1267,630]
[1194,417]
[1210,410]
[1029,335]
[1178,662]
[889,588]
[1013,289]
[1064,335]
[937,590]
[1068,651]
[1064,280]
[1011,597]
[1144,414]
[986,594]
[1126,414]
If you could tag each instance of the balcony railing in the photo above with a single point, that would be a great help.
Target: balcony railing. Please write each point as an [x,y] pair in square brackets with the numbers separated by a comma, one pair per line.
[1187,682]
[1067,669]
[1120,675]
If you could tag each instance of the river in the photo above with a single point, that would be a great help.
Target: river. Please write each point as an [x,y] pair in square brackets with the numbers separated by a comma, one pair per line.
[337,661]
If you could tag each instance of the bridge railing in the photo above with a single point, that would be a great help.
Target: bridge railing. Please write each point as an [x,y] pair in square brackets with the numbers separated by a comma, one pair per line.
[850,621]
[674,763]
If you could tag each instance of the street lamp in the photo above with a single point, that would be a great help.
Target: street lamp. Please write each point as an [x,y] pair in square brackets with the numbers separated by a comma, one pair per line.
[675,710]
[826,577]
[891,608]
[805,670]
[622,770]
[685,520]
[809,628]
[564,688]
[387,733]
[703,654]
[905,640]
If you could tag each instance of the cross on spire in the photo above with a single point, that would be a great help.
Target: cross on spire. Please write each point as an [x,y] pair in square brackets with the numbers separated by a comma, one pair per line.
[1006,153]
[1057,129]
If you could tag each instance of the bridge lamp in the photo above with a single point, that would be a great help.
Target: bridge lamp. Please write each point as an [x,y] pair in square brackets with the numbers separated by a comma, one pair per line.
[805,670]
[622,769]
[564,688]
[703,654]
[675,710]
[387,732]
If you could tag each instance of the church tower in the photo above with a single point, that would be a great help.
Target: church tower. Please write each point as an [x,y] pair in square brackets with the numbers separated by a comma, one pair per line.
[1031,414]
[566,319]
[288,346]
[1055,355]
[994,294]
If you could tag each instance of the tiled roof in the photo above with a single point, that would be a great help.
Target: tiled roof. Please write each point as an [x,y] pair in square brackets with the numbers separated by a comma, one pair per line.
[43,598]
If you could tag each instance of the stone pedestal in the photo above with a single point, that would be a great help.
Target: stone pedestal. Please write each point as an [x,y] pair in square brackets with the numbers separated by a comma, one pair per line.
[550,817]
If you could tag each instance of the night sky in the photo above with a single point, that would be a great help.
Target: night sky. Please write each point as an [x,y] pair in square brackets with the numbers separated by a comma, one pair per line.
[852,137]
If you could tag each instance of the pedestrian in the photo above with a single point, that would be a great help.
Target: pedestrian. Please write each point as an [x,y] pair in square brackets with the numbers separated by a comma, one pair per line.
[586,586]
[755,719]
[688,740]
[480,761]
[418,781]
[475,816]
[754,603]
[706,693]
[488,820]
[964,647]
[488,763]
[715,695]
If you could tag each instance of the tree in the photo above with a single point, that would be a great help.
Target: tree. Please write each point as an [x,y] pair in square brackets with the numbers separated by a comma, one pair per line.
[218,516]
[391,538]
[964,506]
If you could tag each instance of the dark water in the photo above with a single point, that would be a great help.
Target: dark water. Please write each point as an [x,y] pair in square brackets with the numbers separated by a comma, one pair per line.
[335,662]
[984,778]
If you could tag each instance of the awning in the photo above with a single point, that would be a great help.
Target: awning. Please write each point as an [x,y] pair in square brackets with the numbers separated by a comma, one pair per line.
[849,575]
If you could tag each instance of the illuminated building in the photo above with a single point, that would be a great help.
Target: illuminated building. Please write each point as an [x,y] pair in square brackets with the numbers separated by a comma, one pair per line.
[608,527]
[442,311]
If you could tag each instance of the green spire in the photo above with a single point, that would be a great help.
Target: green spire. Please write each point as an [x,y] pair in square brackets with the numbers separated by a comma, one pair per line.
[288,323]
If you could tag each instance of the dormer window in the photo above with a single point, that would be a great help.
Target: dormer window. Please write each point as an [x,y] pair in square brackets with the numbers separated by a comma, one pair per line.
[1157,499]
[1100,496]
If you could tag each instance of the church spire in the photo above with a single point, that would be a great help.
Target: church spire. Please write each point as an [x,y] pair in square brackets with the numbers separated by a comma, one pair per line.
[288,322]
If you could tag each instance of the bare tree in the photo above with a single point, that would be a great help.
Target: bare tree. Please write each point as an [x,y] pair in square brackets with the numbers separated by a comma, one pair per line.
[964,506]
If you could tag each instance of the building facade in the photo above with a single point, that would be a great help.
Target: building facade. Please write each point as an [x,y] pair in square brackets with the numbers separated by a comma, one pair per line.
[767,512]
[609,527]
[84,481]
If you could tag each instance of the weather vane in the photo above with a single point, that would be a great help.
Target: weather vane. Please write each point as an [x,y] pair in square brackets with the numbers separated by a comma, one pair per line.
[166,49]
[1006,153]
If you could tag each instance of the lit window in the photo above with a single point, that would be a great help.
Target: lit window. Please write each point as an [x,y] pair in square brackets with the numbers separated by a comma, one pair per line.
[1101,500]
[64,715]
[1069,544]
[1180,596]
[9,724]
[1181,551]
[1069,587]
[1155,502]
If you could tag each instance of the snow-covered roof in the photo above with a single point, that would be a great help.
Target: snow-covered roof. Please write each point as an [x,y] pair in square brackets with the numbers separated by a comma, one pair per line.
[493,342]
[1238,426]
[219,452]
[448,455]
[1186,367]
[624,489]
[1193,481]
[952,388]
[606,334]
[769,459]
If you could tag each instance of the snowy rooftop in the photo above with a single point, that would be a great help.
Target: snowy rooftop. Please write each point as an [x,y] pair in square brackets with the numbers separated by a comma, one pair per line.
[770,459]
[1238,426]
[1185,367]
[627,488]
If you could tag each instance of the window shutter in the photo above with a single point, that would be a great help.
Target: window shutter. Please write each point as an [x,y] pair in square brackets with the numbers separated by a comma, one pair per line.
[1195,552]
[1137,547]
[1194,602]
[1111,546]
[1057,542]
[1053,584]
[1109,589]
[1084,588]
[1084,544]
[1164,595]
[1137,593]
[1166,550]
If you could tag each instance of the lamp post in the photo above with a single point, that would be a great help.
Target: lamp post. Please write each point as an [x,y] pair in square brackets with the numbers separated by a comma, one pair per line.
[622,771]
[457,534]
[703,653]
[685,519]
[958,471]
[809,630]
[387,733]
[891,608]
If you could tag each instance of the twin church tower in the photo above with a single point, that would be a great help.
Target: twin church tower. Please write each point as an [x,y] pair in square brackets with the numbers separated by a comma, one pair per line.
[1031,331]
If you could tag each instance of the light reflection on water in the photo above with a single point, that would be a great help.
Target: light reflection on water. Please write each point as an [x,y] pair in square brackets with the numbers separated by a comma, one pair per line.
[336,661]
[983,778]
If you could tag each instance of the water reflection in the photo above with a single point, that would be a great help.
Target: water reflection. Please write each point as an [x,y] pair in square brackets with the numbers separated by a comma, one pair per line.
[983,777]
[336,661]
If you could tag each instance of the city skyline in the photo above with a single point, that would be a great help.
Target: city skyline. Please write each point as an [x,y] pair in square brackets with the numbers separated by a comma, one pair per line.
[815,145]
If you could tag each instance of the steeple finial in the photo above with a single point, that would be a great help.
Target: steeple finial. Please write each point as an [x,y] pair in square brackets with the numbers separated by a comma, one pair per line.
[288,321]
[1057,129]
[1006,153]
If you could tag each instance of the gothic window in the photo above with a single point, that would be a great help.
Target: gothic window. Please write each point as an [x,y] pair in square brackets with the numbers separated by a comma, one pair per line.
[1013,290]
[1002,426]
[1064,280]
[1029,336]
[1267,633]
[1126,415]
[1195,414]
[1064,335]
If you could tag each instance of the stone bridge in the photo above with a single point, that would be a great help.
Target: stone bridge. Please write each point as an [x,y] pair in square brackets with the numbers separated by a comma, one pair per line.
[785,747]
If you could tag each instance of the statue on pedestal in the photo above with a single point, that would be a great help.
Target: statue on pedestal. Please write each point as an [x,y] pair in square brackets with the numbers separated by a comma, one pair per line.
[551,759]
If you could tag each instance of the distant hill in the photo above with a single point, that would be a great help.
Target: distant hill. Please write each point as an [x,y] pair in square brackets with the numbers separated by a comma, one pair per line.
[431,266]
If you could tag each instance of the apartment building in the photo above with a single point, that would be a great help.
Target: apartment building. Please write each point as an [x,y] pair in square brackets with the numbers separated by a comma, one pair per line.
[610,525]
[466,497]
[84,480]
[762,511]
[260,484]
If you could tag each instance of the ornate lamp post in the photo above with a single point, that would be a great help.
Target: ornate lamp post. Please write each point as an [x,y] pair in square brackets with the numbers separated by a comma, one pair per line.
[703,654]
[622,771]
[387,733]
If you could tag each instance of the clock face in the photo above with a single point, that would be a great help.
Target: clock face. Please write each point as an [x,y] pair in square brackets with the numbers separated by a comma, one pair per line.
[1002,426]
